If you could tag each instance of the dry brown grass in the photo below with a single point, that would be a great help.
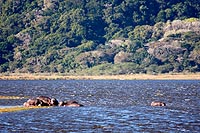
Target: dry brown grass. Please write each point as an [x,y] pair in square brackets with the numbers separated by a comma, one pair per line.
[55,76]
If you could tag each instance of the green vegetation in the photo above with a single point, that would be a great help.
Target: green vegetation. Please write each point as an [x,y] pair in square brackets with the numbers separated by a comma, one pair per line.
[99,37]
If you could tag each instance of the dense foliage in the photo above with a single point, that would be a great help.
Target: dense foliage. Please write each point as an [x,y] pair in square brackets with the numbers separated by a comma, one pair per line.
[99,37]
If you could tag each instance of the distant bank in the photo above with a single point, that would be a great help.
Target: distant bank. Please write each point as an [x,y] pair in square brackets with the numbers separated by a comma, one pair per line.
[57,76]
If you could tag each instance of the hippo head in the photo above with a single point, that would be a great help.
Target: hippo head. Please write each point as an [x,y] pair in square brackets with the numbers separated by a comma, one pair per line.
[32,102]
[158,104]
[54,102]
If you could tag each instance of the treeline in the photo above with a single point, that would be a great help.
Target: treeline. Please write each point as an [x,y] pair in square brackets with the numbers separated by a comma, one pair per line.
[99,37]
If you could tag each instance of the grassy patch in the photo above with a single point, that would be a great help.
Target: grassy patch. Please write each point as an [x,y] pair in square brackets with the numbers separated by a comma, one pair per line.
[56,76]
[13,97]
[18,108]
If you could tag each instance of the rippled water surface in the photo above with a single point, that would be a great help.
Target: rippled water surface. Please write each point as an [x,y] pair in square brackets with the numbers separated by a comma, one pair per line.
[110,106]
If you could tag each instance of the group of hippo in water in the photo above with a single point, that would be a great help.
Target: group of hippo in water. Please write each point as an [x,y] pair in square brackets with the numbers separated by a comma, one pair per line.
[47,101]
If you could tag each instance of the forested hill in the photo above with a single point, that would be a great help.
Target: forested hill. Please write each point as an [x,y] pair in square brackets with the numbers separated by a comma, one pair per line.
[100,36]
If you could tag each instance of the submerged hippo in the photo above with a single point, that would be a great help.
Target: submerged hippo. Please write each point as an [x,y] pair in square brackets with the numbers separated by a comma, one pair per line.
[41,101]
[70,104]
[33,102]
[157,103]
[48,101]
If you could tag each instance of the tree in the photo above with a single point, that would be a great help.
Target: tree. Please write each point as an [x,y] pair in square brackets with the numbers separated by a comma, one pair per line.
[161,17]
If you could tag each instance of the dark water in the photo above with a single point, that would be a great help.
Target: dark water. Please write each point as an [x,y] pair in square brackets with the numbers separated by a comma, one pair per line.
[110,106]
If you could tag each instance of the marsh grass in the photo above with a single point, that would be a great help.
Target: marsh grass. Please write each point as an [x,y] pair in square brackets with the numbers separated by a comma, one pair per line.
[18,108]
[60,76]
[13,97]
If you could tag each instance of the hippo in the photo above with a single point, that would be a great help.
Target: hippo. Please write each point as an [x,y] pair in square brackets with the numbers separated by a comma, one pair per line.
[33,102]
[157,103]
[70,104]
[41,101]
[46,101]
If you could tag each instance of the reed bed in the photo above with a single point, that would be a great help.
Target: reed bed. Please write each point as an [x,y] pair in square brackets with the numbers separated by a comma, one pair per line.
[57,76]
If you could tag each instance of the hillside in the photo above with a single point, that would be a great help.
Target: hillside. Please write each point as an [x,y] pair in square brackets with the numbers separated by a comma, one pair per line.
[99,37]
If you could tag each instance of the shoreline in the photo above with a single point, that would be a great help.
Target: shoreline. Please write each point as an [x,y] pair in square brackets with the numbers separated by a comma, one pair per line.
[57,76]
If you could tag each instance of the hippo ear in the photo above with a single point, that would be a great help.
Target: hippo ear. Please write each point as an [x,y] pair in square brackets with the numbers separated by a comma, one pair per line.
[54,101]
[60,103]
[40,103]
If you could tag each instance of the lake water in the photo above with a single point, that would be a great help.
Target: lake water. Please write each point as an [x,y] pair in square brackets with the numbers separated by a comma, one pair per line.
[109,106]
